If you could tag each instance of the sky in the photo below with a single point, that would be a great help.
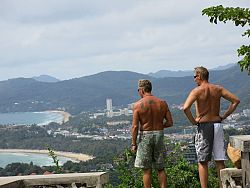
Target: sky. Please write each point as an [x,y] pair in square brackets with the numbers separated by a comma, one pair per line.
[74,38]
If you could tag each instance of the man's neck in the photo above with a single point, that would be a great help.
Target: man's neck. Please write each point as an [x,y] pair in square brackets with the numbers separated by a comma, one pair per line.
[147,94]
[203,82]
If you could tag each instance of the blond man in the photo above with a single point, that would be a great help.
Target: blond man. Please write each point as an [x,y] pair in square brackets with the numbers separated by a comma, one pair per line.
[209,139]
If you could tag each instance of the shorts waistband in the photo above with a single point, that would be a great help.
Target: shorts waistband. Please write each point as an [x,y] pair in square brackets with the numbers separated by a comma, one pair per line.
[150,132]
[211,122]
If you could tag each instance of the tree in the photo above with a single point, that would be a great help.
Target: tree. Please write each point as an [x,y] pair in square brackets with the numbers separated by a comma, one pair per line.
[240,17]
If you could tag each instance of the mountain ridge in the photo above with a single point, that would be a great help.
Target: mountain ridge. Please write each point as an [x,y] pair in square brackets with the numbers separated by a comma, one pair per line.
[45,78]
[180,73]
[89,93]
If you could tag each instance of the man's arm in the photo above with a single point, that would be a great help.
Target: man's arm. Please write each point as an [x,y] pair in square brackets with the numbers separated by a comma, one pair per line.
[169,119]
[187,105]
[135,127]
[234,102]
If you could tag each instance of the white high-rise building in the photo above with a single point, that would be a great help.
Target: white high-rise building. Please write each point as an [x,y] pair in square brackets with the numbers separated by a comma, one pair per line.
[109,104]
[109,108]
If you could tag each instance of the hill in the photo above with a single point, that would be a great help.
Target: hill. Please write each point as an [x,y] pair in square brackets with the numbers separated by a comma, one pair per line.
[90,92]
[45,78]
[180,73]
[168,73]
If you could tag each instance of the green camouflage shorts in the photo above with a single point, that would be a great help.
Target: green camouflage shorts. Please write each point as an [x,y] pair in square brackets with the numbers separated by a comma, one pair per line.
[151,150]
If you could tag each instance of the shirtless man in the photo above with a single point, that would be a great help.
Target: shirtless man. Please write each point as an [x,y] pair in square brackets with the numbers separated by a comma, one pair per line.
[210,137]
[153,115]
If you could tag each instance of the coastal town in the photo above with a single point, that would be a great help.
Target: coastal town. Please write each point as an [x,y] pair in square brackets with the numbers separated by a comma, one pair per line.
[114,124]
[114,128]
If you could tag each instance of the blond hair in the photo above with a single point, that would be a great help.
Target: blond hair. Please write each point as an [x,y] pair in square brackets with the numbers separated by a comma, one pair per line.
[203,72]
[146,85]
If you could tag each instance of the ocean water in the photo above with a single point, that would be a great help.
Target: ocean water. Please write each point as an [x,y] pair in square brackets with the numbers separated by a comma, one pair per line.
[28,118]
[37,159]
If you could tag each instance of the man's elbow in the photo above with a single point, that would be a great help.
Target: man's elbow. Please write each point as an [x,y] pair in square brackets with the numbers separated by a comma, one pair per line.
[168,124]
[236,102]
[134,128]
[185,109]
[171,124]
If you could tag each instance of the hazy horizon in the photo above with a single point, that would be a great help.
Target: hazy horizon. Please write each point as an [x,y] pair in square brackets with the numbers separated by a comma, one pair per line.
[69,39]
[213,68]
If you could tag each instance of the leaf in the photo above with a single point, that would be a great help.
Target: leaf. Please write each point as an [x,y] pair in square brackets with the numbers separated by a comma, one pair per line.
[215,20]
[211,19]
[237,22]
[220,18]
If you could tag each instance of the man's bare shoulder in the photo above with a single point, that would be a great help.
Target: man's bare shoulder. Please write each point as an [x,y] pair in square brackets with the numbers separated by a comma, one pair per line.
[216,87]
[137,105]
[163,102]
[196,91]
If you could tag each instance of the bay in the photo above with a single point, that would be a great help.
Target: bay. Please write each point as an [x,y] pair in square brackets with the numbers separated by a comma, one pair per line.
[37,159]
[28,118]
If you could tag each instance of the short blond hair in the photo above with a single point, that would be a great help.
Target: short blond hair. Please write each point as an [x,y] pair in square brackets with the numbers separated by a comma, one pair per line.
[203,72]
[145,84]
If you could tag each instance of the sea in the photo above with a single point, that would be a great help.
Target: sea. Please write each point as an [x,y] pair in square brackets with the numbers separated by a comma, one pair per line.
[36,159]
[29,118]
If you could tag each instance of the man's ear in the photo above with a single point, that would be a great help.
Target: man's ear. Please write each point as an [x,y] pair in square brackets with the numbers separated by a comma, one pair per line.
[142,91]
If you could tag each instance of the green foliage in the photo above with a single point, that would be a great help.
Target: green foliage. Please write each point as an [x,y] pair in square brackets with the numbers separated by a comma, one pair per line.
[183,175]
[245,62]
[55,160]
[127,174]
[15,169]
[179,172]
[240,17]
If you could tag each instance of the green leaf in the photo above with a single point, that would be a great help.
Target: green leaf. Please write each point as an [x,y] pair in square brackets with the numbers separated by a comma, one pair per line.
[237,22]
[239,16]
[220,18]
[211,19]
[215,20]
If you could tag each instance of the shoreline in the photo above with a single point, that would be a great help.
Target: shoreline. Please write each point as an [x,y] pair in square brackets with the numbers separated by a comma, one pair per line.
[65,115]
[71,155]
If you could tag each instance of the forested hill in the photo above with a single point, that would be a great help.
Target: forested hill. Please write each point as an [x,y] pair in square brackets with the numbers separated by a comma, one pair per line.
[90,92]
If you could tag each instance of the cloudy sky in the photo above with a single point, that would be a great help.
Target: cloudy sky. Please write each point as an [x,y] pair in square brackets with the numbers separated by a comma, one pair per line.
[74,38]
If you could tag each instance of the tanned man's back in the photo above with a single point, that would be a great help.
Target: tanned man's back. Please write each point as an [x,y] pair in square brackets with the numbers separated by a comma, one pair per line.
[208,102]
[151,111]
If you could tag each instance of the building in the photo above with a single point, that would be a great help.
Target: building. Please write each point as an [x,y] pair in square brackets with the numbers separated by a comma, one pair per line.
[109,108]
[190,154]
[109,104]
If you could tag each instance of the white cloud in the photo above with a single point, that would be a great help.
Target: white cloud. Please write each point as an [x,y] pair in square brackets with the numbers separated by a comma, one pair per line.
[73,38]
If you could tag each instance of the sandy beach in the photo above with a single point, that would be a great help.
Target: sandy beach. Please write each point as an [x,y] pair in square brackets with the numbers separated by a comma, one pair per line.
[66,115]
[74,156]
